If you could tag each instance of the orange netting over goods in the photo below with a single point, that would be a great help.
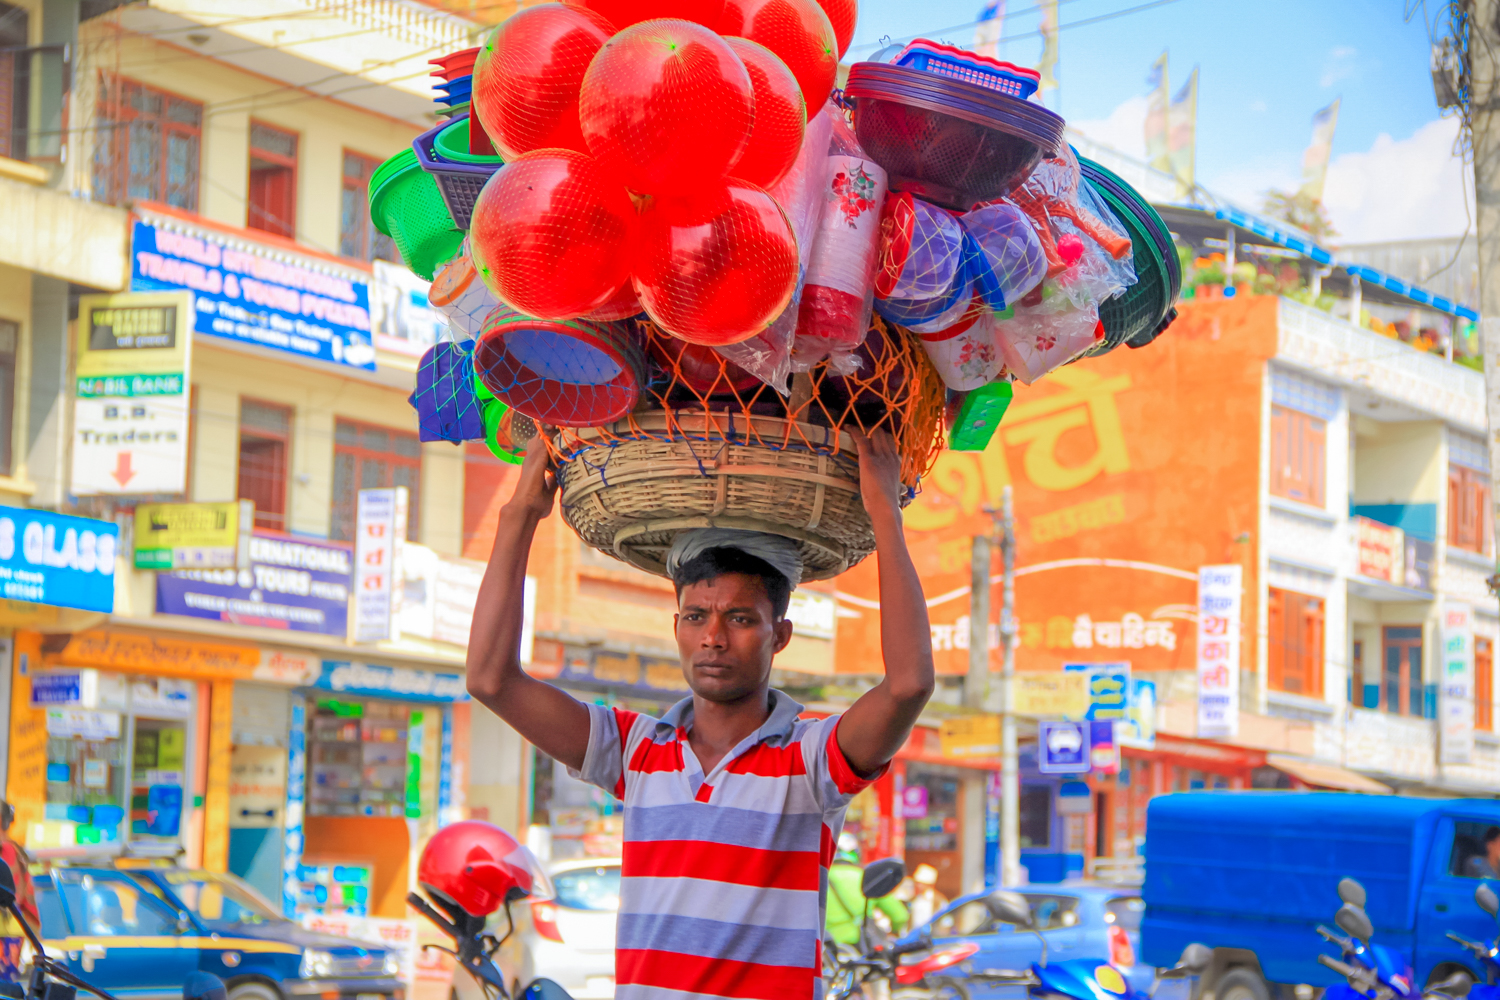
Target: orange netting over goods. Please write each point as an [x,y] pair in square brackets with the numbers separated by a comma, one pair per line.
[712,446]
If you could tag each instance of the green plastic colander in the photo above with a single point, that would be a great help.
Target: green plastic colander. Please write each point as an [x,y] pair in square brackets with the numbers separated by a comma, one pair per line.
[406,206]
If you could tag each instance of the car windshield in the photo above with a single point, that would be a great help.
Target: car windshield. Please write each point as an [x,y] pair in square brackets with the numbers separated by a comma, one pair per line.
[588,888]
[220,899]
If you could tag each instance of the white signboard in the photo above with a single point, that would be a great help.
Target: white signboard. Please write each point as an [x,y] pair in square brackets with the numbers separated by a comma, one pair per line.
[1456,685]
[129,445]
[379,536]
[1220,599]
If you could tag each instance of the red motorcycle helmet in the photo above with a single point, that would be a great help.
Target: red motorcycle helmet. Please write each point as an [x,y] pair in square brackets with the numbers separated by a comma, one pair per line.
[480,867]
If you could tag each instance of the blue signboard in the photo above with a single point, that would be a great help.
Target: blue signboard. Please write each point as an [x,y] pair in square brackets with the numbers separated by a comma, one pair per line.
[1062,747]
[48,558]
[403,683]
[1109,689]
[258,296]
[290,583]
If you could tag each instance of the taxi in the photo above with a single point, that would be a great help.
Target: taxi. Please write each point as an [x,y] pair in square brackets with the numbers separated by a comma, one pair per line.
[139,932]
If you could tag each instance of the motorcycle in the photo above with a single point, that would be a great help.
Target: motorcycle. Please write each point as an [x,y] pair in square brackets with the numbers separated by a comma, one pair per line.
[1371,971]
[1488,955]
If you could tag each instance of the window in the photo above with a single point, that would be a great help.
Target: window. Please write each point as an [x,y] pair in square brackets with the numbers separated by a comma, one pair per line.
[968,918]
[1357,674]
[357,237]
[1125,911]
[1484,684]
[1298,463]
[148,146]
[265,436]
[1295,641]
[15,77]
[1036,815]
[10,334]
[1468,508]
[588,888]
[1401,691]
[273,180]
[112,905]
[368,457]
[1053,912]
[1475,851]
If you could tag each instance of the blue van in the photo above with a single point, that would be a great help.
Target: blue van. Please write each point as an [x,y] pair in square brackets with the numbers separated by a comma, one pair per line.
[1251,873]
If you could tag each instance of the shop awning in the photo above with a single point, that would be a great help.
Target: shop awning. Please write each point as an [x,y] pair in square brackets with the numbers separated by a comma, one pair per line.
[1326,775]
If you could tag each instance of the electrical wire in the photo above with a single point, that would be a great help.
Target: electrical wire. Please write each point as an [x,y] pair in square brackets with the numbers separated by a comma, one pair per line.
[1038,33]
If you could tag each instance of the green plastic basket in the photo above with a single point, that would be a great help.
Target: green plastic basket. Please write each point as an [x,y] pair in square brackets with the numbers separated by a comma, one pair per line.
[1141,306]
[405,205]
[452,144]
[979,416]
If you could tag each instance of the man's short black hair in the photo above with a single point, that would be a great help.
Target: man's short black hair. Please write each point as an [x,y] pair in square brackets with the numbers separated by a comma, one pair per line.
[714,563]
[1491,835]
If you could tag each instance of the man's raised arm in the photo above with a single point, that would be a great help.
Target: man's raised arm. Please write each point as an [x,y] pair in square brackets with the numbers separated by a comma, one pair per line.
[553,720]
[876,725]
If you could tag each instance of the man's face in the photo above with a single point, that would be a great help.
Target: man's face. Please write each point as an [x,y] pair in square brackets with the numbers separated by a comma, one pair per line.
[726,636]
[1493,850]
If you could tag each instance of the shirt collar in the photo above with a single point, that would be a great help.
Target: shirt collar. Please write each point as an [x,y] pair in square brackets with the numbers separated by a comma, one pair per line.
[775,730]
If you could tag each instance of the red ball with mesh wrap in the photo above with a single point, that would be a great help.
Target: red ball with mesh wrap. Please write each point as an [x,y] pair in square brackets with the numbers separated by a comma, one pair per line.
[528,74]
[716,269]
[622,305]
[668,106]
[843,15]
[553,234]
[798,32]
[480,867]
[701,368]
[623,13]
[780,115]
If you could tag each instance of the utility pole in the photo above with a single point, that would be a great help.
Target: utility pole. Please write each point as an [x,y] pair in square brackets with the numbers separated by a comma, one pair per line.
[977,680]
[1482,114]
[1010,769]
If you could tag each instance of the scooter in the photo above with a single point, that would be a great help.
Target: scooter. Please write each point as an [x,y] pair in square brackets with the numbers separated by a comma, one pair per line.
[1370,971]
[1488,955]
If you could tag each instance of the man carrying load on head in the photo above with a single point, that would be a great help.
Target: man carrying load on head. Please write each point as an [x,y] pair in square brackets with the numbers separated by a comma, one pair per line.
[732,803]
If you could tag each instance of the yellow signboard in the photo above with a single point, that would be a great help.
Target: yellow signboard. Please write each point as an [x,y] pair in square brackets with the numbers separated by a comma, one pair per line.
[131,652]
[1052,694]
[970,736]
[133,335]
[193,535]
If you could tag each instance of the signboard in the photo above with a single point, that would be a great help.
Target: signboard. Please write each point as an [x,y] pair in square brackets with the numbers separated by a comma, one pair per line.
[134,653]
[813,614]
[255,294]
[377,681]
[1108,688]
[48,558]
[405,322]
[130,413]
[1138,728]
[1063,694]
[379,533]
[1104,752]
[914,802]
[617,669]
[288,583]
[1456,685]
[438,594]
[1220,596]
[970,736]
[1063,747]
[193,535]
[1379,550]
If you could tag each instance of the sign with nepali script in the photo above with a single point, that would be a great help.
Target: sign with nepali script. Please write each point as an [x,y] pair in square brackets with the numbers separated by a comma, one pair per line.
[257,294]
[1220,599]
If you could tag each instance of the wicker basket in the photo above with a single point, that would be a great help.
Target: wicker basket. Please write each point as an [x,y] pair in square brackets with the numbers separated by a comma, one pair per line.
[630,494]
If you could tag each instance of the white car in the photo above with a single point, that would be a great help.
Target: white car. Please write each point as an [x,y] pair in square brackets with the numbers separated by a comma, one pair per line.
[569,939]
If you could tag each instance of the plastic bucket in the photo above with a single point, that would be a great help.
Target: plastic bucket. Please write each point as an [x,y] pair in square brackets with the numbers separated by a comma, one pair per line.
[406,205]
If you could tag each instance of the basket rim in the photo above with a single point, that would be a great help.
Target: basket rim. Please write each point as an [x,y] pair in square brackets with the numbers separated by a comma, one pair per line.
[633,557]
[709,421]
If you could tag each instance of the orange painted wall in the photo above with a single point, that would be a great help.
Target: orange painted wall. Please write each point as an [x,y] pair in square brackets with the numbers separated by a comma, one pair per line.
[380,840]
[1147,457]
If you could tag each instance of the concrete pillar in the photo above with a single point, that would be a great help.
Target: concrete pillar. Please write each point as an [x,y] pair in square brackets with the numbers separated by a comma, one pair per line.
[48,415]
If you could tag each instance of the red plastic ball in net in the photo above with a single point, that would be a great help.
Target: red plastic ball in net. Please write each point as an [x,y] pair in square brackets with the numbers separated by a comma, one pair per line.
[843,15]
[669,106]
[622,305]
[780,115]
[716,269]
[701,368]
[796,30]
[623,13]
[553,234]
[528,73]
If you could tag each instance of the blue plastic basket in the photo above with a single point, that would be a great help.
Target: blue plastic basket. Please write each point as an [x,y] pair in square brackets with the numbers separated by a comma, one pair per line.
[459,183]
[957,64]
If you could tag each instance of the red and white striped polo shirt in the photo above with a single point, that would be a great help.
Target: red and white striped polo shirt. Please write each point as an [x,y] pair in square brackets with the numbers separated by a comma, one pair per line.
[725,874]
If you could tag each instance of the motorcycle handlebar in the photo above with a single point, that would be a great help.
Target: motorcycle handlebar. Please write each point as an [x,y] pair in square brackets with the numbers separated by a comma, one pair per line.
[898,949]
[1471,945]
[1342,968]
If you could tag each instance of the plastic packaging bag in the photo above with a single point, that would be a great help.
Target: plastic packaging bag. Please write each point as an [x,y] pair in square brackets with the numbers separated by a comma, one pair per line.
[1034,340]
[965,354]
[920,249]
[834,312]
[1012,251]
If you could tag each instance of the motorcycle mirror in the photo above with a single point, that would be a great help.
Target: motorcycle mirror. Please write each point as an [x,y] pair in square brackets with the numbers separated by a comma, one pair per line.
[7,885]
[1487,900]
[203,986]
[1355,922]
[881,878]
[1009,908]
[1351,892]
[1196,957]
[1456,981]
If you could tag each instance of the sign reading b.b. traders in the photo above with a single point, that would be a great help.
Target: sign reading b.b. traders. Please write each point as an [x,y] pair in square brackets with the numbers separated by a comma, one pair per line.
[258,295]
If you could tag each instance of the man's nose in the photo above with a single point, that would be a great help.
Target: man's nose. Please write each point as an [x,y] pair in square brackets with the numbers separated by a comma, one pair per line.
[715,636]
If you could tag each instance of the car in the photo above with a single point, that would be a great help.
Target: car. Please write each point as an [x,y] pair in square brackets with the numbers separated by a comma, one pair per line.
[138,932]
[1076,919]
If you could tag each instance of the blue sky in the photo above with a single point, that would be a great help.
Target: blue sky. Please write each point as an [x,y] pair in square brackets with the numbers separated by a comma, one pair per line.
[1265,68]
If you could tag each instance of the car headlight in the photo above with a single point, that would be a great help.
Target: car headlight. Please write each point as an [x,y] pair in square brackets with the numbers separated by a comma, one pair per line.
[315,964]
[392,964]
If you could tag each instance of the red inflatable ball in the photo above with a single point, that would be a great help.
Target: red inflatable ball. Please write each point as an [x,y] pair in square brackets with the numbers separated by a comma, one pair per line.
[700,368]
[622,305]
[717,269]
[843,15]
[552,234]
[780,116]
[623,13]
[669,106]
[527,77]
[796,30]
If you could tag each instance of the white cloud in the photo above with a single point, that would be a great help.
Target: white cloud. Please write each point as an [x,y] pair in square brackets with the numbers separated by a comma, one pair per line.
[1246,183]
[1258,106]
[1338,65]
[1124,130]
[1401,188]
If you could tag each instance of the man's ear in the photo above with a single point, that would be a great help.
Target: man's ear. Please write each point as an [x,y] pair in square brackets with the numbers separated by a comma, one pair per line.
[783,633]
